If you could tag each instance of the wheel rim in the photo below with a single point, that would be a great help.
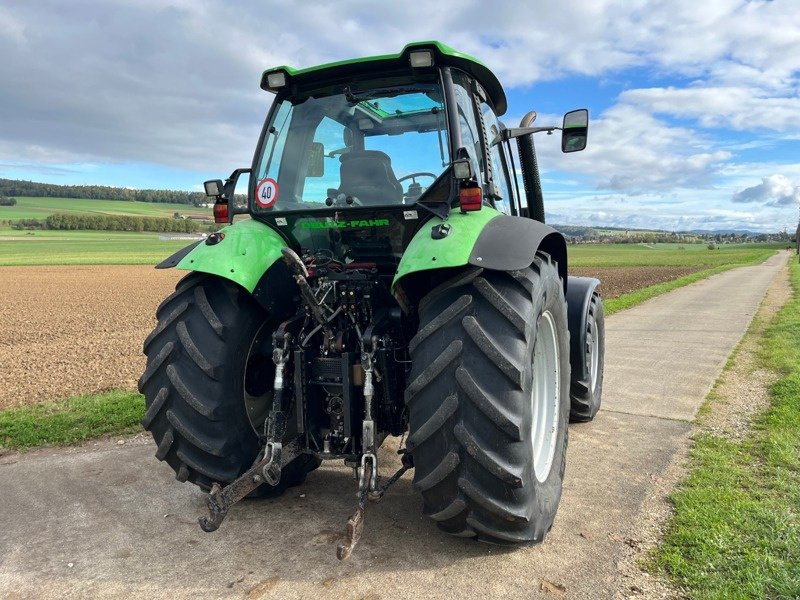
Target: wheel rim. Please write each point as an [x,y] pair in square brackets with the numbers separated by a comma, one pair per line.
[545,391]
[594,354]
[259,376]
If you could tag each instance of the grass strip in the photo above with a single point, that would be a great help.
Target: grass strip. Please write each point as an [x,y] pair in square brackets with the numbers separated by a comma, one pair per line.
[70,421]
[736,528]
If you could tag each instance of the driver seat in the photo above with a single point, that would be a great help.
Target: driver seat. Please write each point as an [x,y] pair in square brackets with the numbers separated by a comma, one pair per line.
[368,176]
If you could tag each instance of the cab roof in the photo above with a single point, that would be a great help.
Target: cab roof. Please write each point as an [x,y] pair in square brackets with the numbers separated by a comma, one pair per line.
[443,55]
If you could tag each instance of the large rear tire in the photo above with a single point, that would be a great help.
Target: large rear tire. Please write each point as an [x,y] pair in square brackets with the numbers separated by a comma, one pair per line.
[586,394]
[489,403]
[208,366]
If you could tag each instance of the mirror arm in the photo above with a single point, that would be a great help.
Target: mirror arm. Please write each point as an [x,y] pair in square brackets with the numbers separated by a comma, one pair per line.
[230,183]
[515,132]
[228,190]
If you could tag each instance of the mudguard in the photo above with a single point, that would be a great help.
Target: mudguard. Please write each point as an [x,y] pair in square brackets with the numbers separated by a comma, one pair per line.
[243,254]
[485,238]
[579,295]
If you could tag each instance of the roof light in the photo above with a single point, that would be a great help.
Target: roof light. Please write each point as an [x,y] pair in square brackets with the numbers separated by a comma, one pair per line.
[469,197]
[276,79]
[421,58]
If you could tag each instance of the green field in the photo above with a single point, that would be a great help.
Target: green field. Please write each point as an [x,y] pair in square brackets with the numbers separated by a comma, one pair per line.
[129,248]
[40,208]
[666,255]
[84,248]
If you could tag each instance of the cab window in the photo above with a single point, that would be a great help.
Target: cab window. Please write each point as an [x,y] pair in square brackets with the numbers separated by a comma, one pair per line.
[503,191]
[467,118]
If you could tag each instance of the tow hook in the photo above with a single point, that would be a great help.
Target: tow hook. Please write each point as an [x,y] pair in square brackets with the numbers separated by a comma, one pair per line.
[368,469]
[355,524]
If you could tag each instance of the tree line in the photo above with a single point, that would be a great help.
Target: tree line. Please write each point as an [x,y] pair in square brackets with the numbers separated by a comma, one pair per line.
[4,201]
[65,221]
[14,187]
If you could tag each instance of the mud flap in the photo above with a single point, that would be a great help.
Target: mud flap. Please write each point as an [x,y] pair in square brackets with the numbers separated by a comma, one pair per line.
[579,295]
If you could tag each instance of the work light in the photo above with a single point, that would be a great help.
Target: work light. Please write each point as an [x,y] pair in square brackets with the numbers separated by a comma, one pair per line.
[421,58]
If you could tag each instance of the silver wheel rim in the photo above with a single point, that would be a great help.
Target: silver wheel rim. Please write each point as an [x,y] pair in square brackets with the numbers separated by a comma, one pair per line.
[545,389]
[594,354]
[257,407]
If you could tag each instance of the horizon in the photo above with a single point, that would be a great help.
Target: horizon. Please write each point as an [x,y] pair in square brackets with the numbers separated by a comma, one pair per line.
[695,111]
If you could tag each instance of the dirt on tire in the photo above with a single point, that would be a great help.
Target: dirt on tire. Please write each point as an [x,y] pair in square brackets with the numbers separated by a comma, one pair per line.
[79,329]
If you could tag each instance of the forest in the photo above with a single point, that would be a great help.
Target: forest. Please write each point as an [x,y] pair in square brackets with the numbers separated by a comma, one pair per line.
[14,187]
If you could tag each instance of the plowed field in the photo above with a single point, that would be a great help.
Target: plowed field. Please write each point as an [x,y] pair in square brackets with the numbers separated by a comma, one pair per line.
[79,329]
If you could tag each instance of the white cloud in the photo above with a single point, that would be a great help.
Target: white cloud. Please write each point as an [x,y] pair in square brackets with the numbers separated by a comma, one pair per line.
[742,108]
[775,190]
[633,152]
[175,82]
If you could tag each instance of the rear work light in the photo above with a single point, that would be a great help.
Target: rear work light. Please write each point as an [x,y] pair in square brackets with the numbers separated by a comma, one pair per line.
[469,197]
[221,211]
[421,58]
[276,79]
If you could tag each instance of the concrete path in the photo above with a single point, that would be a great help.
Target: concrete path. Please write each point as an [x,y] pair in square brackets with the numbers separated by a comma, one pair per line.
[109,520]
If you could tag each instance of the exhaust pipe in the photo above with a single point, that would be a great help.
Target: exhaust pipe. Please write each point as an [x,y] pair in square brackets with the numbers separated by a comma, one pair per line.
[530,170]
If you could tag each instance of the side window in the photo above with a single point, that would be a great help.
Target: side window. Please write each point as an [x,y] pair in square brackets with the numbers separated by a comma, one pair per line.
[274,143]
[500,168]
[470,130]
[508,158]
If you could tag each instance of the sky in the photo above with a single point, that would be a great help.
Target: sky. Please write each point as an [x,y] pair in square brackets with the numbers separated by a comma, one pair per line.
[694,106]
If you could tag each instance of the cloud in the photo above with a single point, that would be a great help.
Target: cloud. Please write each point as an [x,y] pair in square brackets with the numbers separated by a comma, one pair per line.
[175,82]
[775,190]
[633,152]
[742,108]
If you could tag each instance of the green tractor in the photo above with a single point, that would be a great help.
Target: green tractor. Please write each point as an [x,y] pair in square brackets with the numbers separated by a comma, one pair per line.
[391,278]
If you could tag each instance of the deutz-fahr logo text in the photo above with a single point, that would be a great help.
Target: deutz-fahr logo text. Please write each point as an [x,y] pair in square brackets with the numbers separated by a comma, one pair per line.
[344,224]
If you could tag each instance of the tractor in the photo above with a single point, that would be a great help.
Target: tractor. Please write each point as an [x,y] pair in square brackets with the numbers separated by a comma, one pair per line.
[389,276]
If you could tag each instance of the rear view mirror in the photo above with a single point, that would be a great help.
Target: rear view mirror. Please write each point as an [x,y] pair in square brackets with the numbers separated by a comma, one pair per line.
[316,160]
[575,130]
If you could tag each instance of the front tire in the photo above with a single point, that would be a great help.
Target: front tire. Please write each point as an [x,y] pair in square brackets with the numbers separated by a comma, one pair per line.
[201,361]
[489,403]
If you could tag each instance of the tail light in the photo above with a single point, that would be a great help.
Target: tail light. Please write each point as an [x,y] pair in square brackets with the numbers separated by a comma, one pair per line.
[470,197]
[220,212]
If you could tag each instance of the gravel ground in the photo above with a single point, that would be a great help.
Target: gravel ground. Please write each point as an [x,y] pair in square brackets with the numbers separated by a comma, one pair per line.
[741,393]
[79,329]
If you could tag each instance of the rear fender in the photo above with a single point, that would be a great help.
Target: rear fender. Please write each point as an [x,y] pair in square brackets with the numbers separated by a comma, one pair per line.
[248,254]
[484,238]
[579,296]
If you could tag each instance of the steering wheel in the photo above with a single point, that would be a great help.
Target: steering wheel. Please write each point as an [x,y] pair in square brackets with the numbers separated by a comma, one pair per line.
[415,175]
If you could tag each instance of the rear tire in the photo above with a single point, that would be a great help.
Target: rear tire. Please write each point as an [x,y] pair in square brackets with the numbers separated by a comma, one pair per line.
[586,394]
[484,461]
[194,384]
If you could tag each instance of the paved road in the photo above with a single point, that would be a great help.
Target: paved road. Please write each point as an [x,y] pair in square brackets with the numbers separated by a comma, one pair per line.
[108,520]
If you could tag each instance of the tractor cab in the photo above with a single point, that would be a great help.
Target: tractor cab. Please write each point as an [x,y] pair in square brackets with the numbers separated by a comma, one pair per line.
[354,156]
